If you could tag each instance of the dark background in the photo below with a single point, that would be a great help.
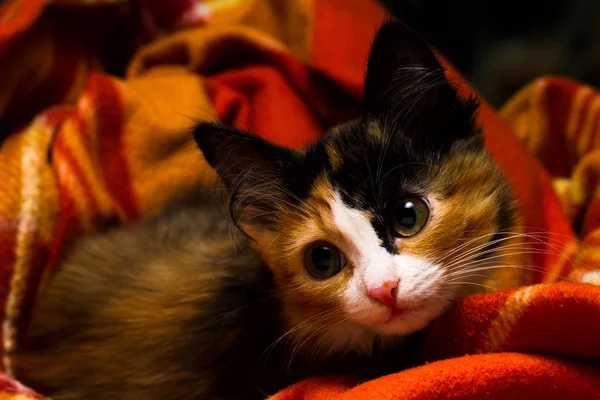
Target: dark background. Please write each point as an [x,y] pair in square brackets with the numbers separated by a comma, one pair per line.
[500,45]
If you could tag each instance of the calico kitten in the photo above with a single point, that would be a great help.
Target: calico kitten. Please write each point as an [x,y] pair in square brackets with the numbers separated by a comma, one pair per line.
[342,248]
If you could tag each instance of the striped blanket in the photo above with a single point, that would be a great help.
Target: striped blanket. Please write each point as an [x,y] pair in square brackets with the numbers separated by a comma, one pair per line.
[96,99]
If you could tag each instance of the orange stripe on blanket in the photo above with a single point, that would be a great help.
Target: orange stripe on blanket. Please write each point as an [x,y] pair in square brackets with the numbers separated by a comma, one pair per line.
[109,129]
[10,200]
[32,159]
[83,152]
[513,309]
[71,177]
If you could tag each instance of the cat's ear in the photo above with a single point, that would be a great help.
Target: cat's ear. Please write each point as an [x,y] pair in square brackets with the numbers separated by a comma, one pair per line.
[254,171]
[407,90]
[397,56]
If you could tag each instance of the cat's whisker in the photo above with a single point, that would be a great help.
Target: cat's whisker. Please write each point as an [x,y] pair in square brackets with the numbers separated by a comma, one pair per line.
[303,341]
[327,328]
[552,246]
[519,245]
[498,257]
[511,266]
[459,263]
[513,235]
[502,252]
[318,346]
[472,275]
[315,319]
[467,257]
[540,238]
[457,249]
[532,230]
[473,284]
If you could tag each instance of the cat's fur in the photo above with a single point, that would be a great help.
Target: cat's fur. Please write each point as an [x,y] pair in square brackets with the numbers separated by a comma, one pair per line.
[170,310]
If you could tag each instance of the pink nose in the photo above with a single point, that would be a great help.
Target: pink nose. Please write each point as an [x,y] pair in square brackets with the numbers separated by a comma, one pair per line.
[386,293]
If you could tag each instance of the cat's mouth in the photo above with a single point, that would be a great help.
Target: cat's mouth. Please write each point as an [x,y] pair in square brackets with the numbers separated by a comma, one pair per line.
[404,320]
[394,314]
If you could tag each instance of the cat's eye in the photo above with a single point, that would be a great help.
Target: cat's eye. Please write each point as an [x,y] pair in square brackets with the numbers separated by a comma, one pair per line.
[323,260]
[410,216]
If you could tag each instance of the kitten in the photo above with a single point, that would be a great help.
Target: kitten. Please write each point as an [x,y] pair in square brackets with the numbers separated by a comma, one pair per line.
[344,247]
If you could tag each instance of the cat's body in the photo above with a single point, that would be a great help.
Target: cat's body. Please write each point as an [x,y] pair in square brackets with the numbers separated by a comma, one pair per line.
[123,315]
[173,309]
[352,244]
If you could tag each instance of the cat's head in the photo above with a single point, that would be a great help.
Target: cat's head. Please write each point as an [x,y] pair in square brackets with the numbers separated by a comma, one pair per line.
[371,230]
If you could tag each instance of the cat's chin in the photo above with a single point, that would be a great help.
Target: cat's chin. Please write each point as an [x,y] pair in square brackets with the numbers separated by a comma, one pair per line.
[404,322]
[399,322]
[358,337]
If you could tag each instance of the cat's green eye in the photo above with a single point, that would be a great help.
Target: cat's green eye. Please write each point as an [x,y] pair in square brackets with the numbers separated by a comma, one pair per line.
[323,260]
[410,216]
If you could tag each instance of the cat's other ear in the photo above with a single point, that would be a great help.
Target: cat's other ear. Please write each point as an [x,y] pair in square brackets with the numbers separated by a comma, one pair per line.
[254,170]
[397,57]
[407,90]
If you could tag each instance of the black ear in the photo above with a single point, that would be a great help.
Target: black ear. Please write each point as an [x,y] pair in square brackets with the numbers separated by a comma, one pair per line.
[407,90]
[397,57]
[254,171]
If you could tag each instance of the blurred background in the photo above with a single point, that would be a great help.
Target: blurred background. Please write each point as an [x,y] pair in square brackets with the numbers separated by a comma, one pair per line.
[500,45]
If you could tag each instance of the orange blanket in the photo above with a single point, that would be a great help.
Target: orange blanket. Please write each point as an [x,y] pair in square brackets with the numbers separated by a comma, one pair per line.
[83,148]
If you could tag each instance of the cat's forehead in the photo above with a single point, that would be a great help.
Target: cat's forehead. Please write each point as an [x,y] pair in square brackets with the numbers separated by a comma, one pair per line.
[367,141]
[341,140]
[365,159]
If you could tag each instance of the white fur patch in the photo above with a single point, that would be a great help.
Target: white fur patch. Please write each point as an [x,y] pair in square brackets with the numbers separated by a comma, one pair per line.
[419,279]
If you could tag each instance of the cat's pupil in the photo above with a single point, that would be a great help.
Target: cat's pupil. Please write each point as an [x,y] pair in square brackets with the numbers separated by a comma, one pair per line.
[323,260]
[410,216]
[407,216]
[322,257]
